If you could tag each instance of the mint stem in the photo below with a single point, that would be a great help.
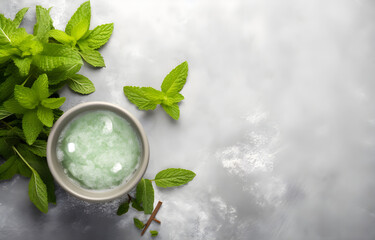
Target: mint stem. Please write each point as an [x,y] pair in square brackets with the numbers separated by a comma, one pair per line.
[19,154]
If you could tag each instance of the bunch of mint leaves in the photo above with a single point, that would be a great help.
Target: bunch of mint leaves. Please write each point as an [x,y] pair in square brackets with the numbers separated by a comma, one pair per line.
[144,197]
[33,67]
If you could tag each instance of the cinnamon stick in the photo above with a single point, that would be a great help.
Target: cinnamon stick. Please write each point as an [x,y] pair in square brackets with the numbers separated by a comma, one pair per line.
[152,217]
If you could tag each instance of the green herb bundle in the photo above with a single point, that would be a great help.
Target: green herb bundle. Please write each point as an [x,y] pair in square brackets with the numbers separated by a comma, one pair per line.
[33,67]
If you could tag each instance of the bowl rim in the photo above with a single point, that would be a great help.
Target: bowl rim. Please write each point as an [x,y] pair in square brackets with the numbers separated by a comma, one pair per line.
[66,183]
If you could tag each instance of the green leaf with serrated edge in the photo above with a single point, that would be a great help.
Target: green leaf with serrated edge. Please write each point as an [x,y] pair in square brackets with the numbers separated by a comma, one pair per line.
[40,165]
[31,126]
[154,233]
[8,53]
[79,30]
[9,168]
[53,103]
[13,106]
[39,148]
[173,177]
[145,195]
[19,16]
[145,98]
[137,206]
[12,166]
[9,33]
[38,192]
[26,97]
[4,113]
[58,75]
[123,208]
[175,80]
[99,36]
[7,87]
[40,86]
[23,65]
[81,84]
[62,37]
[170,100]
[79,23]
[92,57]
[56,55]
[138,223]
[43,24]
[172,110]
[45,115]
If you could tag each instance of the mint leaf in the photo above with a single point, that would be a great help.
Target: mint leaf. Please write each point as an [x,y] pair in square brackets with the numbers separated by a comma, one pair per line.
[13,166]
[9,168]
[7,87]
[145,195]
[19,16]
[123,208]
[138,223]
[53,103]
[172,110]
[81,84]
[7,53]
[92,57]
[43,24]
[145,98]
[173,177]
[39,148]
[136,205]
[38,192]
[45,115]
[99,36]
[40,87]
[79,23]
[173,99]
[175,80]
[13,106]
[41,167]
[62,37]
[9,33]
[57,57]
[26,97]
[4,113]
[154,233]
[31,126]
[23,65]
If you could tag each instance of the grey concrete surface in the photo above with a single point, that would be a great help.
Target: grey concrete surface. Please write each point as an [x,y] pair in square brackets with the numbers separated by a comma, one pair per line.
[278,120]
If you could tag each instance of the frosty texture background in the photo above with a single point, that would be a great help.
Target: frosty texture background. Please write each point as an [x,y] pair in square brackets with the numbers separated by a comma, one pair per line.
[278,120]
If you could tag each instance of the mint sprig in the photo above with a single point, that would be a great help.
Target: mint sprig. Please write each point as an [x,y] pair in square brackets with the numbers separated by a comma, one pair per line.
[144,198]
[147,98]
[82,40]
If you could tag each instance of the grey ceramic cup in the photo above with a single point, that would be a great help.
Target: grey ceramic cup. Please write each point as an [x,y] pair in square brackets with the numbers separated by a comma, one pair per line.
[58,171]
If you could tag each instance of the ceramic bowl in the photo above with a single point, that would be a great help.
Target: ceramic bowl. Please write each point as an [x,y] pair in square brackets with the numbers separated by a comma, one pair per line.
[57,169]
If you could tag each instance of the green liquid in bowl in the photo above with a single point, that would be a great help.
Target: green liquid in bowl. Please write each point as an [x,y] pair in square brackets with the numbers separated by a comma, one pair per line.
[99,150]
